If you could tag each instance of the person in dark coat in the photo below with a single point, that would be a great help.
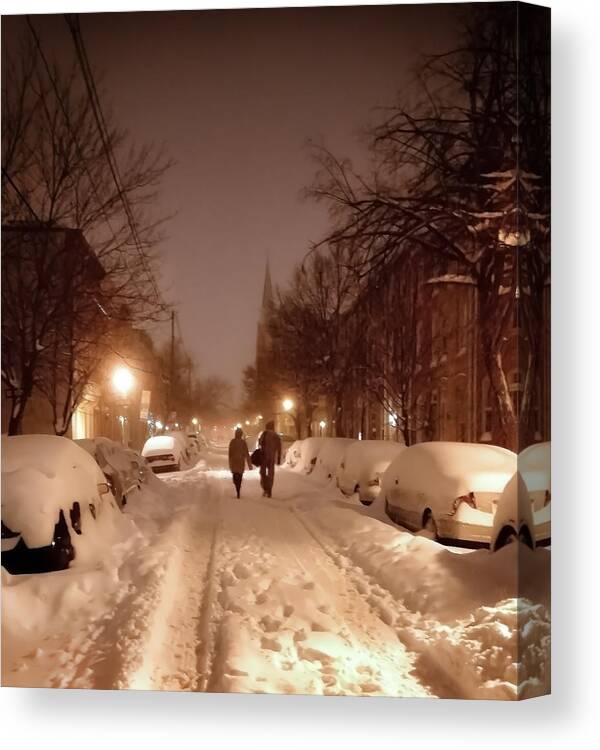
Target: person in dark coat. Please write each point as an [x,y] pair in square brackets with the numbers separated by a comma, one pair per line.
[270,444]
[239,458]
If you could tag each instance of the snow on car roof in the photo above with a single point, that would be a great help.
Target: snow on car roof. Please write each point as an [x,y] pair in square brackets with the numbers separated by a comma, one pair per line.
[440,466]
[42,475]
[159,443]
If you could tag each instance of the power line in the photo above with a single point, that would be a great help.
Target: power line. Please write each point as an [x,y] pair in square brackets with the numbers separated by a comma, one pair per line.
[70,127]
[88,77]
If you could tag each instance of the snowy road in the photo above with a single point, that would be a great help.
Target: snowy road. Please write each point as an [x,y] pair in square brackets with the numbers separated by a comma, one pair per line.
[261,606]
[306,592]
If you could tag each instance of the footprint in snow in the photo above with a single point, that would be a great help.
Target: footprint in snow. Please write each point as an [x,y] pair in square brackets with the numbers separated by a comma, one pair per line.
[270,644]
[270,624]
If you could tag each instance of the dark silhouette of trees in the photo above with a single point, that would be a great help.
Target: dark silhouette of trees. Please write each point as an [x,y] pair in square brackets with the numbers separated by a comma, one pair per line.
[463,176]
[56,174]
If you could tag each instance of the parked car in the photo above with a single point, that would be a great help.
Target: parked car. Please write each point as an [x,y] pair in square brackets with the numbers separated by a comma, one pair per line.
[292,454]
[193,440]
[363,465]
[164,453]
[123,468]
[330,455]
[450,489]
[309,450]
[189,449]
[56,505]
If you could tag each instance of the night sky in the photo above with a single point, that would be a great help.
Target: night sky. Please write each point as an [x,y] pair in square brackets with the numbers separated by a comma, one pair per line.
[235,96]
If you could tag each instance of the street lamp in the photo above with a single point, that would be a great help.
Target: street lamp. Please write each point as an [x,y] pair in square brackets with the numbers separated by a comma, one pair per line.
[195,421]
[288,404]
[123,381]
[322,425]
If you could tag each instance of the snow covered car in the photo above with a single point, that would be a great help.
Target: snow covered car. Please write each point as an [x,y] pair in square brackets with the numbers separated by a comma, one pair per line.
[123,468]
[163,453]
[450,489]
[292,455]
[534,467]
[193,442]
[56,504]
[330,455]
[513,520]
[363,466]
[309,450]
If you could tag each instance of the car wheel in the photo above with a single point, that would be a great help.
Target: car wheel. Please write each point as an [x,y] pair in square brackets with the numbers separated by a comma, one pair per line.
[507,535]
[526,537]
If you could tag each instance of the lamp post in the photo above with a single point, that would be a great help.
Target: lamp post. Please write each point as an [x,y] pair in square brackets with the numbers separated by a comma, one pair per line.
[123,381]
[322,426]
[288,408]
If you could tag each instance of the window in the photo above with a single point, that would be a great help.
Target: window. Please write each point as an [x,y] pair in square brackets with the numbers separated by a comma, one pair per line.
[75,514]
[461,427]
[463,324]
[486,410]
[420,419]
[434,415]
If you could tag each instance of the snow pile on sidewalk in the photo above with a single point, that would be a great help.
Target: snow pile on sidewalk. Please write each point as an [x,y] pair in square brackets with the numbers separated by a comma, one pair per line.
[50,617]
[460,611]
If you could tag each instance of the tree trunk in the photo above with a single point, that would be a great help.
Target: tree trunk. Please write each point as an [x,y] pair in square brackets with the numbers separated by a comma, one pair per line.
[19,402]
[505,408]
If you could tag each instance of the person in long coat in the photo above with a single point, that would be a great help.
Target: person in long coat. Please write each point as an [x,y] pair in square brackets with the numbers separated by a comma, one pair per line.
[270,443]
[239,458]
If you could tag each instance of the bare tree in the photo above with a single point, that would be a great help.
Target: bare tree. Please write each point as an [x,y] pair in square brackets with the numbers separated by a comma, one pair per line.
[463,176]
[56,173]
[310,332]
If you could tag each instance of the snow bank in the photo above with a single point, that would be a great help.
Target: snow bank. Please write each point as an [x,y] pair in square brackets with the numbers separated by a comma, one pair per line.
[482,631]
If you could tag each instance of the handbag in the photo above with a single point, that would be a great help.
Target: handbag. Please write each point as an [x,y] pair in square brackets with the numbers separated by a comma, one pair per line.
[257,457]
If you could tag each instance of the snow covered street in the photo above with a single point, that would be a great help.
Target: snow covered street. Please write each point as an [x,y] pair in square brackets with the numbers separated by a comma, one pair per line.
[307,592]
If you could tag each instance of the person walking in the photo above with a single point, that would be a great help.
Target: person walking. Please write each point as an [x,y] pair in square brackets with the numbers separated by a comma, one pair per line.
[239,457]
[270,444]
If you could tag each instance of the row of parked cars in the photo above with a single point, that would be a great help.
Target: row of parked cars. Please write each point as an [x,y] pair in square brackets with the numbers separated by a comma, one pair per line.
[475,494]
[60,497]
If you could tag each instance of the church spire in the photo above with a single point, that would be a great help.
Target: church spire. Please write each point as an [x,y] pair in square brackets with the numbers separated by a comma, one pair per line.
[267,299]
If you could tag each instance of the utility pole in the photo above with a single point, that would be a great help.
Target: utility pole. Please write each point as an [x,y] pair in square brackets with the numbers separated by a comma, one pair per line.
[172,365]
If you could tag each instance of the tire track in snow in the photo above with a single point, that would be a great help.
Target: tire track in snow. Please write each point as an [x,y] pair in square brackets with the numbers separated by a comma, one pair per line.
[404,622]
[293,622]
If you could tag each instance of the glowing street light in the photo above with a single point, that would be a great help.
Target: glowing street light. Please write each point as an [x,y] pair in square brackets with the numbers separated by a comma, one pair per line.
[122,381]
[288,404]
[247,421]
[322,426]
[195,421]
